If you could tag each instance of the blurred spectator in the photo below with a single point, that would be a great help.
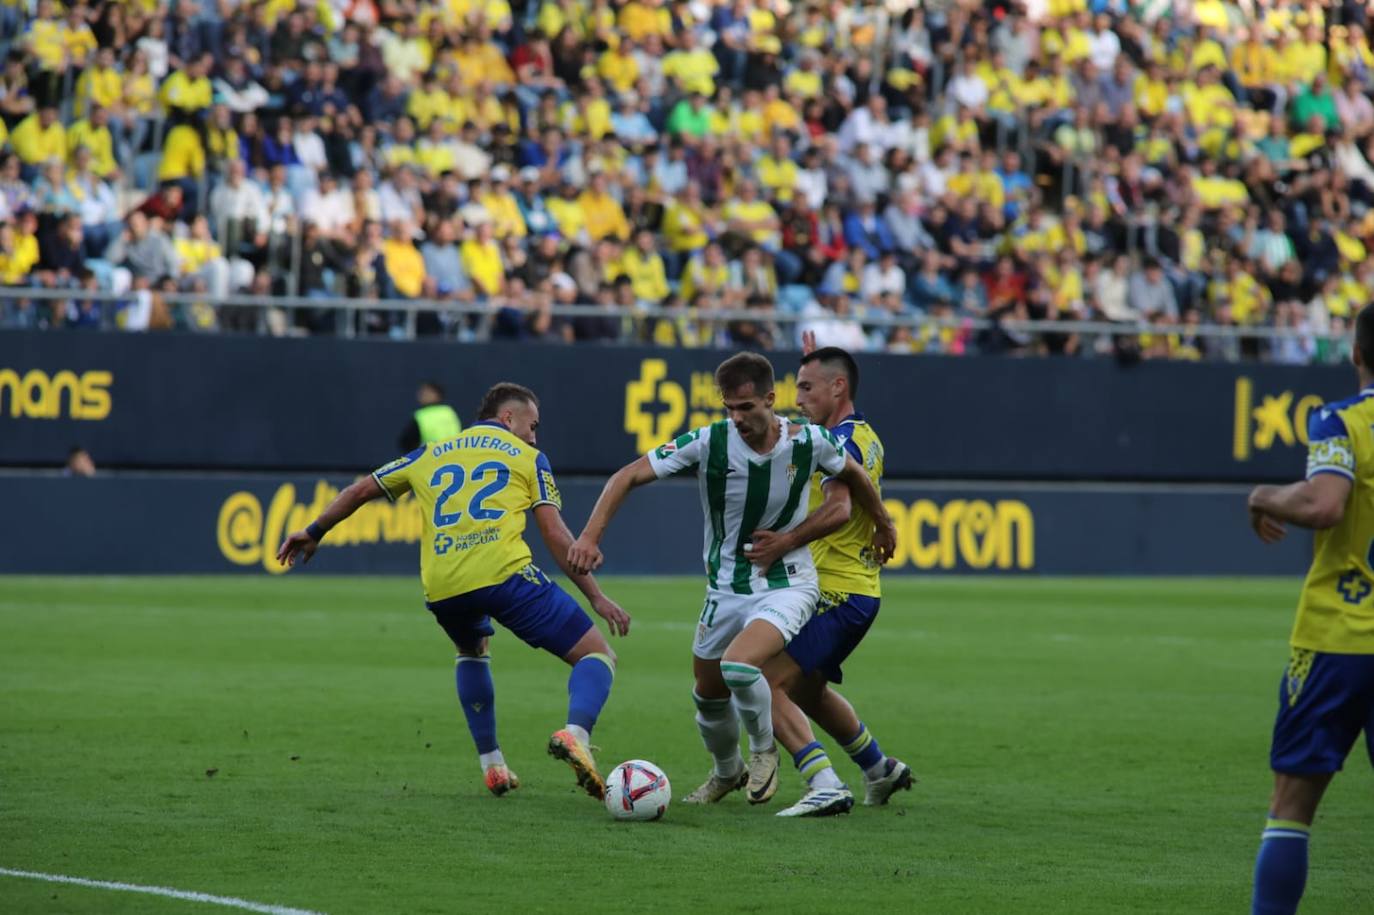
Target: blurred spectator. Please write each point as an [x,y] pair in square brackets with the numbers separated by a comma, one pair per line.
[79,463]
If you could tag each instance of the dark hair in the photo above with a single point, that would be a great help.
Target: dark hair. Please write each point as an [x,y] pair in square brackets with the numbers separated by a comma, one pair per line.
[1364,336]
[745,368]
[835,358]
[435,387]
[501,394]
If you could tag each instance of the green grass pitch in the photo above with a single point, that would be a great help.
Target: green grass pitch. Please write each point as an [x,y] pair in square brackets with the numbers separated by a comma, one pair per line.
[1088,746]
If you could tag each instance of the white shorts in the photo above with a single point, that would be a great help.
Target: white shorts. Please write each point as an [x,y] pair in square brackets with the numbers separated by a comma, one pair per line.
[725,614]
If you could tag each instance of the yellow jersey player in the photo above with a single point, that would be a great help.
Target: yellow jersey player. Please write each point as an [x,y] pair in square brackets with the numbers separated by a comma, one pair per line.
[474,490]
[1326,696]
[801,676]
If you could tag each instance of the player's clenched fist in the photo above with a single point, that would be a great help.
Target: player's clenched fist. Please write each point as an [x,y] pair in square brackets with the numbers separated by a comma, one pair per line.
[884,539]
[584,556]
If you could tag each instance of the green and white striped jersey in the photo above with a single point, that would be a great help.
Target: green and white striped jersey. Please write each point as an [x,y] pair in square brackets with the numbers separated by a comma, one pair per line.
[743,491]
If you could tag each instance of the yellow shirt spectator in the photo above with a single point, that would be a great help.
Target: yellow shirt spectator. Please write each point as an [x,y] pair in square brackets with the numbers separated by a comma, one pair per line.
[804,84]
[1253,63]
[1211,14]
[757,211]
[18,263]
[568,214]
[1207,53]
[47,43]
[620,71]
[193,254]
[1217,192]
[183,93]
[35,144]
[1309,59]
[506,220]
[482,261]
[639,20]
[683,228]
[183,156]
[779,115]
[426,105]
[989,188]
[647,275]
[778,178]
[399,154]
[694,70]
[101,86]
[552,19]
[593,120]
[486,113]
[1058,237]
[1248,298]
[78,42]
[605,218]
[434,157]
[99,141]
[139,93]
[700,277]
[405,266]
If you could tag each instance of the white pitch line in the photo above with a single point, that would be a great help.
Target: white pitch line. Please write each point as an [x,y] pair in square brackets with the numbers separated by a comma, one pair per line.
[227,901]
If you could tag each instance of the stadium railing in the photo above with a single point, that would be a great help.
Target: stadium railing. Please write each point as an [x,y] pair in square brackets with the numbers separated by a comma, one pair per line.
[349,310]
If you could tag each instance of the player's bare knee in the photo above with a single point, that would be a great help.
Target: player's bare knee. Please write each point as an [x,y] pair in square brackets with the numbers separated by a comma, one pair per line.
[707,680]
[472,649]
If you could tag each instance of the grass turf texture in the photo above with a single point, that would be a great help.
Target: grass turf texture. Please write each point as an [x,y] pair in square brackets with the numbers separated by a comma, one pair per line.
[1084,746]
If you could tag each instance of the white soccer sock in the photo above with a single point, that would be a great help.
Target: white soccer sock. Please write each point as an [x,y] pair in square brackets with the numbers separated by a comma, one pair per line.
[826,778]
[719,728]
[754,700]
[580,733]
[494,758]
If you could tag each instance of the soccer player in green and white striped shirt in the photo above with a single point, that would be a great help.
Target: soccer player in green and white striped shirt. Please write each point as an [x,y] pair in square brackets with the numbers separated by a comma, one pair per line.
[753,470]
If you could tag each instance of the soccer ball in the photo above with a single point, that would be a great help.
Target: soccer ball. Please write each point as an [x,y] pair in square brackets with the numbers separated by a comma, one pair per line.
[637,790]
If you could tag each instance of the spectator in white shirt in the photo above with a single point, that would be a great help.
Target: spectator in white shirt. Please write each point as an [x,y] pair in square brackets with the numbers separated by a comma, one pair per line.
[884,283]
[309,146]
[400,200]
[967,88]
[1104,44]
[831,321]
[329,208]
[281,204]
[869,125]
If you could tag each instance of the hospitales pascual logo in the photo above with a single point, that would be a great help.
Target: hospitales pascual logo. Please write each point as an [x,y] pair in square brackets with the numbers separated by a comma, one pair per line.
[659,407]
[1278,419]
[37,395]
[963,534]
[248,537]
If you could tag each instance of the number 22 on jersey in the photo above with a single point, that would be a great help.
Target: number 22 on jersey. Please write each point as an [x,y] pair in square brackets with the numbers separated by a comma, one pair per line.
[496,472]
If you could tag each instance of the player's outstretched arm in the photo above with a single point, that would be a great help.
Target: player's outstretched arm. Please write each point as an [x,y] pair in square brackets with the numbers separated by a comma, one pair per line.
[300,546]
[584,555]
[1317,503]
[871,501]
[558,539]
[767,547]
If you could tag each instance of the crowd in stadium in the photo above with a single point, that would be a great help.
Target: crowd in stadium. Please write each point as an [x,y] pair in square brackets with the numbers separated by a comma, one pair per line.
[1182,163]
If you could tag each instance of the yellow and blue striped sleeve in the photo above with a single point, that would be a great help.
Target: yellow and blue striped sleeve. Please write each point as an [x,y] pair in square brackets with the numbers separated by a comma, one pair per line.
[545,489]
[1329,449]
[394,477]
